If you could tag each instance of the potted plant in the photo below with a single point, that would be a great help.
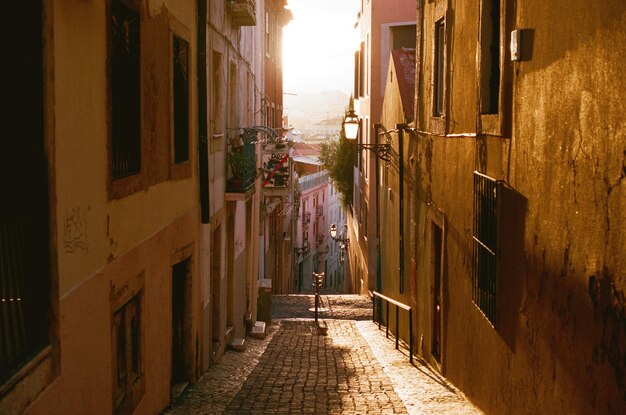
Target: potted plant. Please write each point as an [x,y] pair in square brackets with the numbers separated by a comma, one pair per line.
[239,167]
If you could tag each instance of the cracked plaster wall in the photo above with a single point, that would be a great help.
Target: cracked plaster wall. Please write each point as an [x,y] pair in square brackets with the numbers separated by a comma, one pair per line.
[560,344]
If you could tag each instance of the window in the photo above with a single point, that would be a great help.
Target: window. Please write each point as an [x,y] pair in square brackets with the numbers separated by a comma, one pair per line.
[127,356]
[365,218]
[490,57]
[268,116]
[366,77]
[216,97]
[232,96]
[249,99]
[362,70]
[273,48]
[267,33]
[439,68]
[485,245]
[26,280]
[181,99]
[403,36]
[366,130]
[357,71]
[125,91]
[362,153]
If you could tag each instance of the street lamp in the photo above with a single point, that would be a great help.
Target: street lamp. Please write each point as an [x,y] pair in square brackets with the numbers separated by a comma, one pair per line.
[343,242]
[333,231]
[302,250]
[351,124]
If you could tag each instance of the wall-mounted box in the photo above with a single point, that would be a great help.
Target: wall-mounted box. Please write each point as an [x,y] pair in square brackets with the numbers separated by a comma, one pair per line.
[516,45]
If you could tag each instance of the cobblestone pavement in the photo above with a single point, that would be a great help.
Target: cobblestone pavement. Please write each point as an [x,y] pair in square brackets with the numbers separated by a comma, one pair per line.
[345,307]
[354,369]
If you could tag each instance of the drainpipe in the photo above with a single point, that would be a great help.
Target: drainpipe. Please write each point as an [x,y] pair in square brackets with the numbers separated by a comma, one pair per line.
[418,61]
[203,155]
[401,128]
[379,278]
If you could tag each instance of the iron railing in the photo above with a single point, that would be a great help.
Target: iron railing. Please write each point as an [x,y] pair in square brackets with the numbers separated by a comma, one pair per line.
[244,159]
[376,295]
[484,271]
[311,180]
[243,12]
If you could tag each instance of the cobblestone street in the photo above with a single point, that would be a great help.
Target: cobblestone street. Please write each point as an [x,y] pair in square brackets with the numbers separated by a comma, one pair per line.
[353,369]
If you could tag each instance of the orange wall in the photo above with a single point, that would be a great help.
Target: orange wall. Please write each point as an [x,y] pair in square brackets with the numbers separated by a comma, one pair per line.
[86,371]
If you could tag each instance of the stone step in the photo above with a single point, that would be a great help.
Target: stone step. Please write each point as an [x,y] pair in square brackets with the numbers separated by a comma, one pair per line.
[258,330]
[229,334]
[238,345]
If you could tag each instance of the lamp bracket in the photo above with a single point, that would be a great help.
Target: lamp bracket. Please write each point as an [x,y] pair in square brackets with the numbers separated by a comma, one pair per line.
[382,151]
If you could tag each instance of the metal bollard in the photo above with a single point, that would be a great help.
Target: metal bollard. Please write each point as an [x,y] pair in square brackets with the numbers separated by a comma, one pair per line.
[318,280]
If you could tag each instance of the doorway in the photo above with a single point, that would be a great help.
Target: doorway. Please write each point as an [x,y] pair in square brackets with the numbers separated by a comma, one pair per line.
[437,258]
[216,290]
[181,326]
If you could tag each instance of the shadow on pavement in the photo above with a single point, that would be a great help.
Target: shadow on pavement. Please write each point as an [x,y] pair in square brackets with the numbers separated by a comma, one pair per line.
[337,307]
[302,372]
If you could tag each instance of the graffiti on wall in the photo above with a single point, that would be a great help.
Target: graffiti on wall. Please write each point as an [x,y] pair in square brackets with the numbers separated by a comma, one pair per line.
[75,231]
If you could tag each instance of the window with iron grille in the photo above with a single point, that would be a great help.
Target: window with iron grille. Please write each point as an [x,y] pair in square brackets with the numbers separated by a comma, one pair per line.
[484,275]
[125,91]
[181,99]
[438,89]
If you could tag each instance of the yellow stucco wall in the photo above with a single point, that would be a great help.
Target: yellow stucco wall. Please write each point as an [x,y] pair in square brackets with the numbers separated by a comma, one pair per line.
[104,242]
[92,229]
[560,155]
[392,284]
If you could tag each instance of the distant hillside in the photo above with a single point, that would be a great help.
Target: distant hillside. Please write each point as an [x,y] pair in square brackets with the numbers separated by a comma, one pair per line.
[308,109]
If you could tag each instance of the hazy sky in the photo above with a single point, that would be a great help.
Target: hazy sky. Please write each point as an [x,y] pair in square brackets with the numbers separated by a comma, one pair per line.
[319,45]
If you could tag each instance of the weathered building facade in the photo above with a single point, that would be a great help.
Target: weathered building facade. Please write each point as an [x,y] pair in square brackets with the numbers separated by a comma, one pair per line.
[397,187]
[380,28]
[130,258]
[519,286]
[275,164]
[115,208]
[234,82]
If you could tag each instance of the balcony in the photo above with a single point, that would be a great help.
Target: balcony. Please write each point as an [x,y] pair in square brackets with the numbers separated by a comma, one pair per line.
[319,239]
[241,162]
[306,218]
[243,12]
[320,211]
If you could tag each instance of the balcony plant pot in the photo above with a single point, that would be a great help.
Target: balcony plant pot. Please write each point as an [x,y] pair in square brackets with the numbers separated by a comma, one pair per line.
[235,184]
[240,167]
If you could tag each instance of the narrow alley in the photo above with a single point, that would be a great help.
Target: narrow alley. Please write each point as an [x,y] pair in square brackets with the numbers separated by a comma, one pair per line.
[180,176]
[353,369]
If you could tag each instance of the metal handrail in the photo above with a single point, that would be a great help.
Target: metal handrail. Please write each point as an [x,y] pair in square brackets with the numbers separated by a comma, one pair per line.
[399,306]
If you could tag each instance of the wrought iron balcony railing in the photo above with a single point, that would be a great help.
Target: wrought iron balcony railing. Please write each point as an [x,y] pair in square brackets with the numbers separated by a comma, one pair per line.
[241,162]
[243,12]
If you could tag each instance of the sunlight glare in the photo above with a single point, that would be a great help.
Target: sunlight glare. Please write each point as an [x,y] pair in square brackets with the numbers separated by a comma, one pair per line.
[319,45]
